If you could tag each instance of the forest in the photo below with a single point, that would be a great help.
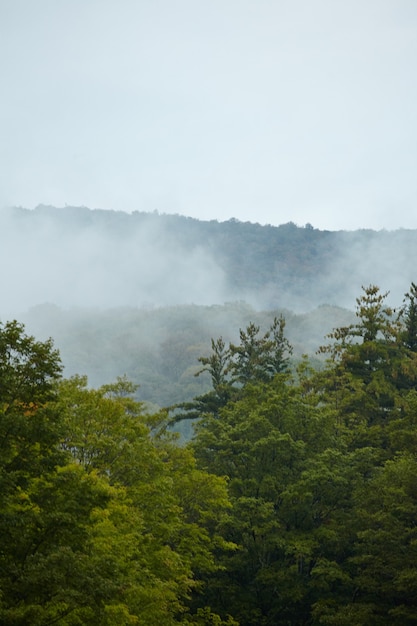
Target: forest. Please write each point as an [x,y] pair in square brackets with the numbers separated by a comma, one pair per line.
[293,503]
[142,294]
[78,257]
[158,348]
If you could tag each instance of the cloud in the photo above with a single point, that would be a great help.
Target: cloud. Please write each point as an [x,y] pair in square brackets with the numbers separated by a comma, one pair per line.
[80,261]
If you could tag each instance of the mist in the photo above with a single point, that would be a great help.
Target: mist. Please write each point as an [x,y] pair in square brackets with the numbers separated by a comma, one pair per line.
[79,258]
[142,294]
[386,259]
[66,258]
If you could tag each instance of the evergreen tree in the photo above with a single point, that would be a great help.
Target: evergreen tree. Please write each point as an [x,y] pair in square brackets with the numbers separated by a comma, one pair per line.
[259,358]
[409,334]
[255,359]
[309,467]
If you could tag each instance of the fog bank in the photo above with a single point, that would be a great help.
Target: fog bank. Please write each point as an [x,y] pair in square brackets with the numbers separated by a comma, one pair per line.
[70,260]
[77,257]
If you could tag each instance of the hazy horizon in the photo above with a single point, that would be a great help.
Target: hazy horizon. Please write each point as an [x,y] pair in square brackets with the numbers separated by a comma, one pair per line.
[265,112]
[71,257]
[232,218]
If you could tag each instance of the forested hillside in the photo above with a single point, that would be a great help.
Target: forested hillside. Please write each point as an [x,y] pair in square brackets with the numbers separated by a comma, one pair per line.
[92,258]
[157,348]
[142,294]
[294,504]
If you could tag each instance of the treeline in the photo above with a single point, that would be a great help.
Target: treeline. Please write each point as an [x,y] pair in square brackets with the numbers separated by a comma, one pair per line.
[321,472]
[102,520]
[158,348]
[294,504]
[112,258]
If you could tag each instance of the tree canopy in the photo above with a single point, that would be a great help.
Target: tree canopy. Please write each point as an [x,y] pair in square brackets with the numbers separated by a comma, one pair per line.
[101,523]
[319,465]
[294,503]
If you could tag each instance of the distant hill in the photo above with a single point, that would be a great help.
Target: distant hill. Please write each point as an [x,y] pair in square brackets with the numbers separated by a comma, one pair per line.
[75,256]
[159,348]
[142,294]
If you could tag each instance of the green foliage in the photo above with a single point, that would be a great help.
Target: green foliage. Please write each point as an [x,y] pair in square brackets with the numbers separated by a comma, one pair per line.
[259,358]
[386,547]
[321,478]
[409,312]
[370,366]
[101,523]
[295,503]
[28,371]
[263,442]
[175,507]
[216,364]
[255,359]
[27,367]
[49,571]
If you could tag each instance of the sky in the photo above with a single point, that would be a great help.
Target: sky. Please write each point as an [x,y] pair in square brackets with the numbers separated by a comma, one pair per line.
[265,111]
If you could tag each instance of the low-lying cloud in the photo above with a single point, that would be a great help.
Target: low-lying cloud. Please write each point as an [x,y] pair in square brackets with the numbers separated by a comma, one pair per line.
[81,262]
[75,257]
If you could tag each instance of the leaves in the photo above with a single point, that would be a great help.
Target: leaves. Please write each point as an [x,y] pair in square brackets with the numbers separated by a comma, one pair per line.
[101,522]
[295,503]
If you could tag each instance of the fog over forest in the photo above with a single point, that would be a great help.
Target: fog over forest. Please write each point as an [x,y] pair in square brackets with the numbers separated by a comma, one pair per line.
[74,257]
[71,264]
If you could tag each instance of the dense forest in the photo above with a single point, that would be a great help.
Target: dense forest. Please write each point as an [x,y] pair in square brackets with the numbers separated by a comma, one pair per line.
[158,348]
[142,294]
[77,257]
[294,503]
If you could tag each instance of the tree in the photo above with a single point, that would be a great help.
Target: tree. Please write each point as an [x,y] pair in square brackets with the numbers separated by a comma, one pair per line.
[28,368]
[28,371]
[366,362]
[174,508]
[216,364]
[255,359]
[381,570]
[409,316]
[321,477]
[259,358]
[263,441]
[50,571]
[45,500]
[101,522]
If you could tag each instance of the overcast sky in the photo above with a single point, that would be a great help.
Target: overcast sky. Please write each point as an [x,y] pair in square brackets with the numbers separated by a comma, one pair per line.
[264,110]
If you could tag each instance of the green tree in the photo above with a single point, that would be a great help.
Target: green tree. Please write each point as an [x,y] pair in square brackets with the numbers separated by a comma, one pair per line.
[46,501]
[320,477]
[382,573]
[258,358]
[263,442]
[366,361]
[50,572]
[178,507]
[28,371]
[101,522]
[216,365]
[255,359]
[409,317]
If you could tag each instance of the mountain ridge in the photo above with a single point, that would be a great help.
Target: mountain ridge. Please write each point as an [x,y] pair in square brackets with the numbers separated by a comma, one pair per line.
[142,294]
[114,258]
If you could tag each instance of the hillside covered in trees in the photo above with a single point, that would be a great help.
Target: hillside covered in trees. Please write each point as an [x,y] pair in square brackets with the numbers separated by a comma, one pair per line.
[295,502]
[76,257]
[142,294]
[158,348]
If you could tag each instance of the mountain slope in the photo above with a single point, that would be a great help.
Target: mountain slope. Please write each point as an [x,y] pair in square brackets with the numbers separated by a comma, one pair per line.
[80,257]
